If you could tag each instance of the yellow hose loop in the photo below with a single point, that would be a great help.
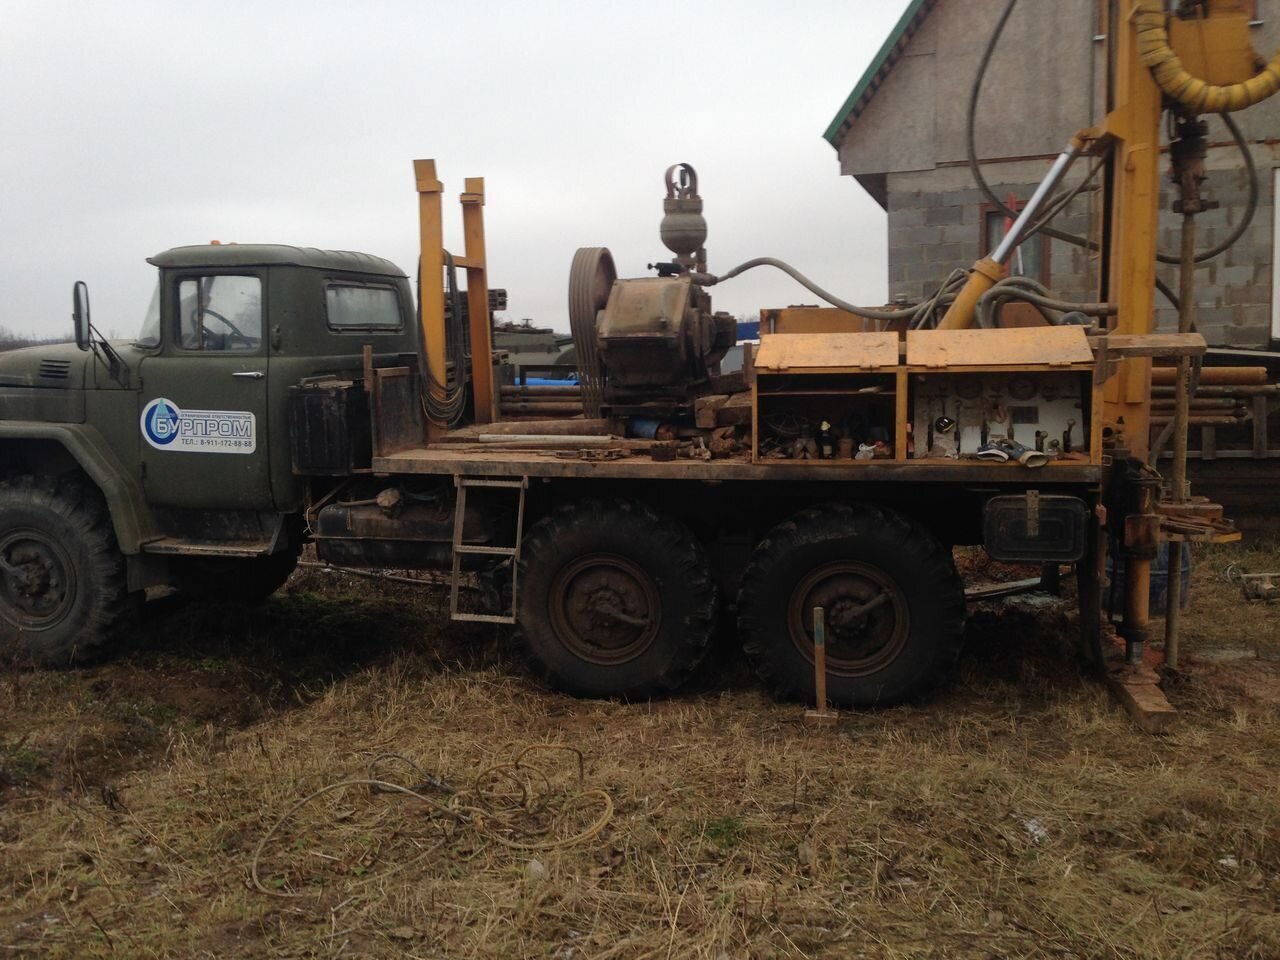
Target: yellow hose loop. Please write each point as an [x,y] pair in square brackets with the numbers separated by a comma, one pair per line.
[1172,77]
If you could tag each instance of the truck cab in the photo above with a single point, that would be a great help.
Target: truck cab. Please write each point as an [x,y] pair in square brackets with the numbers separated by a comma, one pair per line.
[175,446]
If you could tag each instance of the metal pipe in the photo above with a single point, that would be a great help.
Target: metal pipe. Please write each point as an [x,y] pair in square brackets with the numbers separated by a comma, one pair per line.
[990,270]
[1164,391]
[1202,421]
[541,391]
[543,408]
[1202,403]
[1032,210]
[557,427]
[1181,419]
[533,439]
[1141,546]
[1215,376]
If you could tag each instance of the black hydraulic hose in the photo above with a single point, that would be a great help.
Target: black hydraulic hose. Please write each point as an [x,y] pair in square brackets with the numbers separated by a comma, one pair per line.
[971,136]
[991,303]
[1014,291]
[975,93]
[444,404]
[887,316]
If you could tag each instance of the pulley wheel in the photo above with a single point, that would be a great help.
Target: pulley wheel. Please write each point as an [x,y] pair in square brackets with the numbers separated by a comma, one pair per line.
[591,277]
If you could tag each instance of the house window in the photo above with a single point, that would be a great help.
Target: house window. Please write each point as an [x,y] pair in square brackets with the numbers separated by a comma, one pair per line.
[1030,259]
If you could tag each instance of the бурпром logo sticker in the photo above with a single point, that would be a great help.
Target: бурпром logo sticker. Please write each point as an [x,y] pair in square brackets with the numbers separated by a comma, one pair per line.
[166,427]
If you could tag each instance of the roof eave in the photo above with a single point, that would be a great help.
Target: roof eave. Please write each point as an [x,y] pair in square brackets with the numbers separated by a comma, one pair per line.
[883,61]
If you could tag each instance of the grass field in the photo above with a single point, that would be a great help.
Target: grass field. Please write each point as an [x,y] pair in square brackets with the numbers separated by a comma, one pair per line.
[1016,814]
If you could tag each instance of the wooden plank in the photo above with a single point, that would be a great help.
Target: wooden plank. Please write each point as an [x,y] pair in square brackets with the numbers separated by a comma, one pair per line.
[704,410]
[902,418]
[736,411]
[827,351]
[814,320]
[1039,346]
[444,460]
[1155,344]
[1137,690]
[735,382]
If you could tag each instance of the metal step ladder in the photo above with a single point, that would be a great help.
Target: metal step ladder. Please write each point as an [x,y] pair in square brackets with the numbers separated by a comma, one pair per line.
[459,548]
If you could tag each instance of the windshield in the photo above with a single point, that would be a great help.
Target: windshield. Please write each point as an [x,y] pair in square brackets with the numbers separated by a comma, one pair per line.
[150,334]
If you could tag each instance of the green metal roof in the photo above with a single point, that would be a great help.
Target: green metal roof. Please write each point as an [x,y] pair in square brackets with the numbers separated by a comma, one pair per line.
[884,60]
[266,254]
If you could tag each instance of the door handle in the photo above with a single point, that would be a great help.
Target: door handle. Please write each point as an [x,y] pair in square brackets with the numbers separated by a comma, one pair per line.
[249,374]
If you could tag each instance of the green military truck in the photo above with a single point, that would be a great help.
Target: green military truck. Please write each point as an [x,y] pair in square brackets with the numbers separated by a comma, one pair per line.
[165,460]
[276,396]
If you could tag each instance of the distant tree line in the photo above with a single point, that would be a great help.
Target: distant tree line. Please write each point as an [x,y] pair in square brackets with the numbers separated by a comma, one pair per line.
[12,341]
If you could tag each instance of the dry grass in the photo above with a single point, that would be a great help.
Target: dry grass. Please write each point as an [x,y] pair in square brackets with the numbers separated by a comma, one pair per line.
[1017,814]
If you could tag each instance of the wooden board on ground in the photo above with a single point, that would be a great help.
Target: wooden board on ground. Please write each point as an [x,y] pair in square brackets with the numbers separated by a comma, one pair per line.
[1137,689]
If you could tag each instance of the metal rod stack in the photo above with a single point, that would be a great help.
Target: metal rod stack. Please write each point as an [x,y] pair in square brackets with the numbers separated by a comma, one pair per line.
[541,400]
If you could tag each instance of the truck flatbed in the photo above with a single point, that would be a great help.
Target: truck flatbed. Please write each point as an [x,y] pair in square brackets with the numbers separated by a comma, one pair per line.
[468,461]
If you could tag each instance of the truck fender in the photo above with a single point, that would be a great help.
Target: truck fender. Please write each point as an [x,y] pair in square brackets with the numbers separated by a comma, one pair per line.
[130,517]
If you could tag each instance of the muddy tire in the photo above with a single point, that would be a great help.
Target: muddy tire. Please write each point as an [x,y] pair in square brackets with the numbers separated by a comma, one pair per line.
[613,601]
[243,579]
[63,588]
[893,604]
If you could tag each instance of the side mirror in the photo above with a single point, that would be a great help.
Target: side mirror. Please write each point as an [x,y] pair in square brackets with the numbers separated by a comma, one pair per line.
[80,313]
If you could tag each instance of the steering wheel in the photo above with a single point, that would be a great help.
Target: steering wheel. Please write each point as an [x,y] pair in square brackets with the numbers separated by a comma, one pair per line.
[233,331]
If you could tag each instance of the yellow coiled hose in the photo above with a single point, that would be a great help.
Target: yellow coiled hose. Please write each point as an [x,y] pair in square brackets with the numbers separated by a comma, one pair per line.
[1192,92]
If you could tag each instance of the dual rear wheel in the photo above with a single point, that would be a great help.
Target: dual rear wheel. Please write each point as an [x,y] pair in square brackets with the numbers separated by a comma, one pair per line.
[617,601]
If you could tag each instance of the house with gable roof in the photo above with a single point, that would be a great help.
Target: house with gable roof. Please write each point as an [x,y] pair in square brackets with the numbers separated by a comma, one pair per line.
[902,134]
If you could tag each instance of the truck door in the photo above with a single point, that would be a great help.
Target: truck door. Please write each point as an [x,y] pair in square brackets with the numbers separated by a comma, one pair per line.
[203,415]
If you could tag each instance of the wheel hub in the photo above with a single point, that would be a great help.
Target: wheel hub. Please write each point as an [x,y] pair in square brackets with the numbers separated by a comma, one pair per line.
[865,613]
[605,608]
[38,580]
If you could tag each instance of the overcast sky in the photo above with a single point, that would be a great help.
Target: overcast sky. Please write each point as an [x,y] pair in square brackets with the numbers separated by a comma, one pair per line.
[131,127]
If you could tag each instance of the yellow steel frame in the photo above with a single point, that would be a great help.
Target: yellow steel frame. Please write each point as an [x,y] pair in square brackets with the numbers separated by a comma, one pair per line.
[1132,130]
[1149,60]
[431,249]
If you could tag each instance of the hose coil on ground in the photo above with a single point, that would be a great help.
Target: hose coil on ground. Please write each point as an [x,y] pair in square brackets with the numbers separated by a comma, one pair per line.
[1176,82]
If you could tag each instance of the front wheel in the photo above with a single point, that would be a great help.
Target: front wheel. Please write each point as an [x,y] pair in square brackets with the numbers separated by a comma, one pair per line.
[63,589]
[613,600]
[891,599]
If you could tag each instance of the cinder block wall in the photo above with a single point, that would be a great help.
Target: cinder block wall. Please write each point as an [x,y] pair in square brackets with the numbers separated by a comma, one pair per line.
[1234,292]
[935,226]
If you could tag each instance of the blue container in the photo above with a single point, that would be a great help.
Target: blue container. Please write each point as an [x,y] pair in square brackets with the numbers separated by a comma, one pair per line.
[1113,596]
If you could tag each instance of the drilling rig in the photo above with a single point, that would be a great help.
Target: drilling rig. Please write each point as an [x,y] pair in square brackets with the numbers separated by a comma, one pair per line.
[812,499]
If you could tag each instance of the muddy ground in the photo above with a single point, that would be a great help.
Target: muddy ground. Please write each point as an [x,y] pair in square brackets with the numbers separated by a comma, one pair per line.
[1017,813]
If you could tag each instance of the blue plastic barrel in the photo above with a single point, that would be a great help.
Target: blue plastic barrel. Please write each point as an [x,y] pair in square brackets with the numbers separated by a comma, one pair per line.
[1113,596]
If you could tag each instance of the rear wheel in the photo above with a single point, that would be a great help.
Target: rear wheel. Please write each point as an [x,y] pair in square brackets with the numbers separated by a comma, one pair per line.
[613,600]
[891,598]
[63,589]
